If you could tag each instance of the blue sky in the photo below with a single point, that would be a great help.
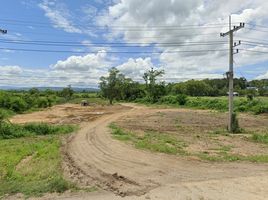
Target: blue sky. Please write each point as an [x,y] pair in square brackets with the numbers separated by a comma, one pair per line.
[184,37]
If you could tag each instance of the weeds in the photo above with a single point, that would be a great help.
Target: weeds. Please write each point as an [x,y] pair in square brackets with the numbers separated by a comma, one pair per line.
[35,176]
[260,138]
[153,141]
[8,130]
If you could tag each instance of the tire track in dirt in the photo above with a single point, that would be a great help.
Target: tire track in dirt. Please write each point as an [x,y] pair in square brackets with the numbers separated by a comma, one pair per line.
[92,157]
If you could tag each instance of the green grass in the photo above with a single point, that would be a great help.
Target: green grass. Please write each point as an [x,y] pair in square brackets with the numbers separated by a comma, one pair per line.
[153,141]
[241,104]
[260,138]
[165,143]
[30,160]
[40,174]
[225,156]
[8,130]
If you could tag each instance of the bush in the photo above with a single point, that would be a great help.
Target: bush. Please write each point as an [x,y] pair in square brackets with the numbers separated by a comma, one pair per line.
[168,100]
[46,129]
[17,104]
[8,130]
[207,103]
[181,99]
[235,127]
[259,109]
[42,102]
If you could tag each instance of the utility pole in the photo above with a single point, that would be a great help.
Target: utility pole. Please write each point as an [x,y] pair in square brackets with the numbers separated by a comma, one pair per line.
[230,73]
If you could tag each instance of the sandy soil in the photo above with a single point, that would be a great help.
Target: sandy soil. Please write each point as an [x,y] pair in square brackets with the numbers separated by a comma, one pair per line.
[67,114]
[92,157]
[201,130]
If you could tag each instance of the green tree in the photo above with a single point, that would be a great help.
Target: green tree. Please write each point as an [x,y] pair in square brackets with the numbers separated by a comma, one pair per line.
[67,92]
[197,88]
[154,90]
[33,91]
[111,86]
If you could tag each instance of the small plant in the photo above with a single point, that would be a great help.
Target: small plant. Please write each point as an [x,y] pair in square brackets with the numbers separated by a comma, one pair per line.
[235,124]
[182,99]
[250,97]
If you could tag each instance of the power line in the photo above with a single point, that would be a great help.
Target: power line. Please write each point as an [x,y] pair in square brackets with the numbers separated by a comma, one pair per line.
[124,52]
[250,38]
[125,45]
[254,29]
[26,22]
[254,25]
[253,51]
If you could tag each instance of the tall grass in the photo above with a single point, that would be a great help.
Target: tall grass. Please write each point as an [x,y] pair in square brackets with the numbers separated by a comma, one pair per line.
[9,131]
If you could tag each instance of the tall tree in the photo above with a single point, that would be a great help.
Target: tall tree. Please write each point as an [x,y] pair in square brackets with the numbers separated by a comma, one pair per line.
[112,84]
[154,90]
[67,92]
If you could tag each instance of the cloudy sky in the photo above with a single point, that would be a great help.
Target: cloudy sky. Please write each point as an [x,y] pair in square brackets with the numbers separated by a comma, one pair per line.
[61,42]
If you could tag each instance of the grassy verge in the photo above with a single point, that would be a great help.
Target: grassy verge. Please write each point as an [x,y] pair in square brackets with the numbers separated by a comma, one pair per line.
[31,164]
[227,157]
[9,131]
[241,104]
[260,138]
[165,143]
[153,141]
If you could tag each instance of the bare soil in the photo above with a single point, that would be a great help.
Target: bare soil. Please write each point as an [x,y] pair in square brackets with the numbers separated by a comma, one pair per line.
[202,130]
[67,114]
[93,158]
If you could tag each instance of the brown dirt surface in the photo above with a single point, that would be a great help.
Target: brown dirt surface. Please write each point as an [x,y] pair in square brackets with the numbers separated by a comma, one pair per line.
[67,114]
[202,130]
[93,158]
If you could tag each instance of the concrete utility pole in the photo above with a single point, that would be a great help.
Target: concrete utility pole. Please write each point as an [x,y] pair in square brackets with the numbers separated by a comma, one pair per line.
[230,73]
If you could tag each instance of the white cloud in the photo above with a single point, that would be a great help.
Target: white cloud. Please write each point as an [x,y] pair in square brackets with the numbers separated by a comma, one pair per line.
[263,76]
[88,62]
[149,16]
[59,15]
[135,68]
[10,70]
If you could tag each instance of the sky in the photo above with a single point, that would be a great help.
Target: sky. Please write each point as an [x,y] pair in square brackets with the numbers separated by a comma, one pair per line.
[66,42]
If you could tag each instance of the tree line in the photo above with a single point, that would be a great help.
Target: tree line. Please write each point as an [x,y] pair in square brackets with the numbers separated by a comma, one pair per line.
[116,86]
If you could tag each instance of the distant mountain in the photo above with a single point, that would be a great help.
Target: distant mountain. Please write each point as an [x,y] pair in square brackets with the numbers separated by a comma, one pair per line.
[77,89]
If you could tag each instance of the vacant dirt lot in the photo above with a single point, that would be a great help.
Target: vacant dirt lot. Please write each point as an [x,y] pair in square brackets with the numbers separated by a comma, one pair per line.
[203,131]
[67,114]
[93,158]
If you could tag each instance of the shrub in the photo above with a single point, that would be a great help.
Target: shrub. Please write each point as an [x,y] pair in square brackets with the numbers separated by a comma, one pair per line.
[168,99]
[181,99]
[9,130]
[235,127]
[17,104]
[46,129]
[258,109]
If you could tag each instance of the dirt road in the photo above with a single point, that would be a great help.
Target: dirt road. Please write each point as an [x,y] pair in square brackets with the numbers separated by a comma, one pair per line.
[92,157]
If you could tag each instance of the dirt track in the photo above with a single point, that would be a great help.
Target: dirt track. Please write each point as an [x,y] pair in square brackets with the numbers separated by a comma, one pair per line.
[92,157]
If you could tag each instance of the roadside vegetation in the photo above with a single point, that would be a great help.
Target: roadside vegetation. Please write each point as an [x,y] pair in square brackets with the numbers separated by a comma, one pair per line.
[201,94]
[198,134]
[150,140]
[30,160]
[172,144]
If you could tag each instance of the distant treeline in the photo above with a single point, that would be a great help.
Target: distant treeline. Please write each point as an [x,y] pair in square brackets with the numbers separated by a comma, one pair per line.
[117,86]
